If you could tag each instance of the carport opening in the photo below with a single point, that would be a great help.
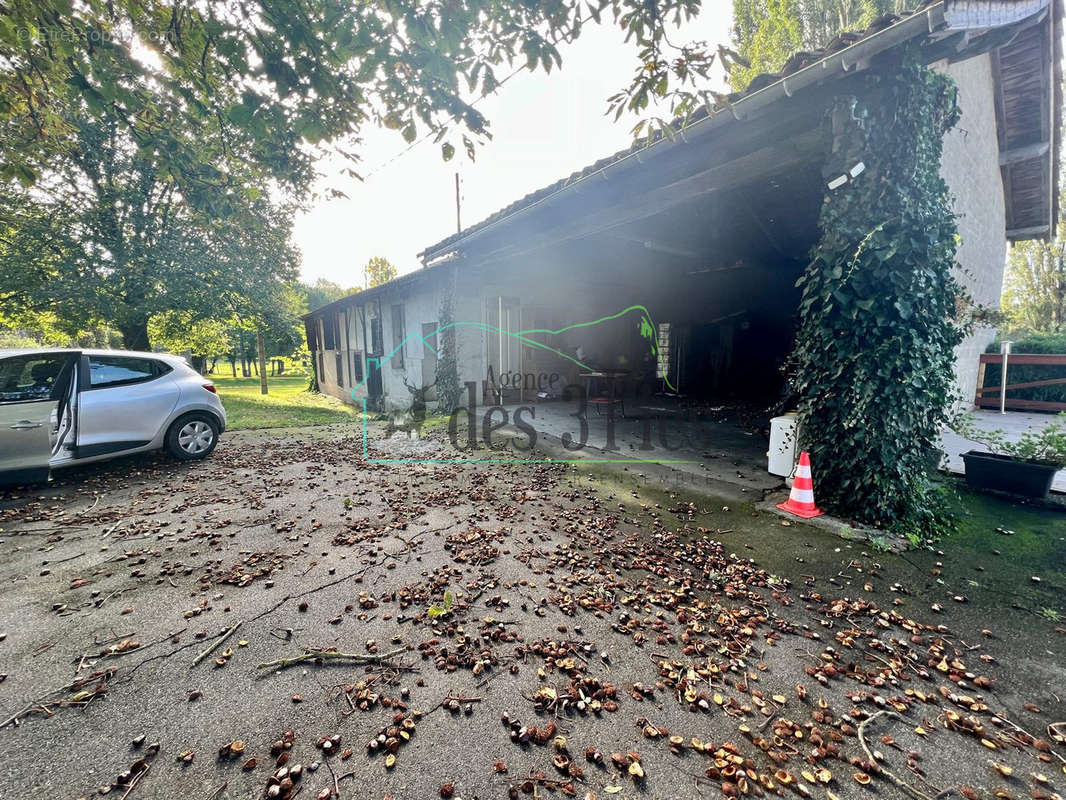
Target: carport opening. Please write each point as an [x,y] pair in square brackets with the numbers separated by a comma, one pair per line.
[717,275]
[731,305]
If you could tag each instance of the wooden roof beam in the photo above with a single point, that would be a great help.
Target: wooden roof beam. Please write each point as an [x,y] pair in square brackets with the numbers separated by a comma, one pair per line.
[1016,154]
[1032,232]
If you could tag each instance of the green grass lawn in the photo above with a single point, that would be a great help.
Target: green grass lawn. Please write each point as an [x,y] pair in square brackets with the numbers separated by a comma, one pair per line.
[288,403]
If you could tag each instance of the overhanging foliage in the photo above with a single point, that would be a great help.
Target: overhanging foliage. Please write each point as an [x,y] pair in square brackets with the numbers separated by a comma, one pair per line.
[277,82]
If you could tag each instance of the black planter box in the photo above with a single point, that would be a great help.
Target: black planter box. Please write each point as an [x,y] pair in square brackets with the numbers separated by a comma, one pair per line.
[1006,474]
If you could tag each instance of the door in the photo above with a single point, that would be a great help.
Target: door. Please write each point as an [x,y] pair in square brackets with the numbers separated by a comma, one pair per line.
[429,358]
[504,356]
[31,387]
[123,402]
[375,389]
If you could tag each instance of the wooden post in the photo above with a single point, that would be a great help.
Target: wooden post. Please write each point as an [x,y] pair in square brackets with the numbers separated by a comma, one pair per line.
[261,353]
[1004,348]
[458,217]
[981,369]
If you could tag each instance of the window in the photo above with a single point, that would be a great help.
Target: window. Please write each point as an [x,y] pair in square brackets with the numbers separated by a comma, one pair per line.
[375,336]
[107,371]
[354,326]
[28,378]
[398,335]
[329,332]
[339,365]
[357,371]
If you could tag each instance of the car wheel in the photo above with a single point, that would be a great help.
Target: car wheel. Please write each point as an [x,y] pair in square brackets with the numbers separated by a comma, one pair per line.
[192,437]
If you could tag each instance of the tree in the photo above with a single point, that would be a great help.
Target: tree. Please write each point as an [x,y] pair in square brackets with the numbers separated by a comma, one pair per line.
[323,292]
[378,270]
[108,236]
[46,329]
[180,332]
[774,35]
[1034,288]
[767,32]
[278,81]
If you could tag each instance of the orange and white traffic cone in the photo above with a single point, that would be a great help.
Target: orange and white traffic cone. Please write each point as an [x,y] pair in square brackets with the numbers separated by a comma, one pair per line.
[801,498]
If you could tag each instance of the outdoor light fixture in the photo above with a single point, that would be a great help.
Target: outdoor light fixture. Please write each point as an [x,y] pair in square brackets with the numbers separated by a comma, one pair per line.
[851,174]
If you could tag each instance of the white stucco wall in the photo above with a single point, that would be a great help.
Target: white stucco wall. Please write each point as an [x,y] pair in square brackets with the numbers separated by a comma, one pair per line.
[971,168]
[421,303]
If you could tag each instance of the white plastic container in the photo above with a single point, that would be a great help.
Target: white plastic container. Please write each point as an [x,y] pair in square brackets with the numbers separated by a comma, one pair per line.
[782,452]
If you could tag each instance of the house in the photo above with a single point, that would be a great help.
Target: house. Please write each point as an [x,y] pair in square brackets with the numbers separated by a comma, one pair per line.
[693,243]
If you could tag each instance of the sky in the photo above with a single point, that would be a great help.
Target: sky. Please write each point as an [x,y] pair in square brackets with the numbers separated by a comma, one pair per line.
[544,127]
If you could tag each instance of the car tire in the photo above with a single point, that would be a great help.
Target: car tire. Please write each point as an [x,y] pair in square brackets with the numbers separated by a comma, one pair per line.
[192,436]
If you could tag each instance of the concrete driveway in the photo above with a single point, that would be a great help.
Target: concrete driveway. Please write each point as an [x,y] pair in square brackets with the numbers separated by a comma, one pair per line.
[572,602]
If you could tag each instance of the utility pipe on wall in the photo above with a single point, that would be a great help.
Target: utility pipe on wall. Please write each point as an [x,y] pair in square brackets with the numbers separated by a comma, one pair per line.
[1004,349]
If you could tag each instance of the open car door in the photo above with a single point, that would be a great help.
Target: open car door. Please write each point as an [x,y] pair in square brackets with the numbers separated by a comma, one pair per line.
[36,414]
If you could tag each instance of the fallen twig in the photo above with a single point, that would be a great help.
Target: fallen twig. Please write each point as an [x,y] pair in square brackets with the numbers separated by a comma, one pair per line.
[112,529]
[336,788]
[332,655]
[1030,736]
[40,702]
[64,560]
[135,781]
[218,641]
[866,749]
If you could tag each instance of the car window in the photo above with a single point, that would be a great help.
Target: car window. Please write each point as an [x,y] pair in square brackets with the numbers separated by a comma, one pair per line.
[31,377]
[118,370]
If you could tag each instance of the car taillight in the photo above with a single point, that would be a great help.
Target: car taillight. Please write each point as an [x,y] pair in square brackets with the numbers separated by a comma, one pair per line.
[211,388]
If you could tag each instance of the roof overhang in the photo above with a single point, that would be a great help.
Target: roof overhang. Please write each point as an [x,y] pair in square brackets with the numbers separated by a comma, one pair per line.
[1027,72]
[951,28]
[375,293]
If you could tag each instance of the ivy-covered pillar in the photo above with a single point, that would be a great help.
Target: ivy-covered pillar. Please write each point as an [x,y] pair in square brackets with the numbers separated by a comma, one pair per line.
[873,359]
[449,390]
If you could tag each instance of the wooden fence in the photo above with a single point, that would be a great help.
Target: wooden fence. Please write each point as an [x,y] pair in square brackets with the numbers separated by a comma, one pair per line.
[988,396]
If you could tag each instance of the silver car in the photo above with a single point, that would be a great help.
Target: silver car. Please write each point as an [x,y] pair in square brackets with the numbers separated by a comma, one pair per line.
[59,408]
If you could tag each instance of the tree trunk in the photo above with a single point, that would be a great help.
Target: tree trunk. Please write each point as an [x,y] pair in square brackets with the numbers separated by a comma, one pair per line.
[135,333]
[261,353]
[245,369]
